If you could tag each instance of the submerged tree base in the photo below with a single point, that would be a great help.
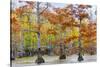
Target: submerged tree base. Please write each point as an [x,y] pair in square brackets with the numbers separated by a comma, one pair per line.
[80,58]
[40,60]
[62,57]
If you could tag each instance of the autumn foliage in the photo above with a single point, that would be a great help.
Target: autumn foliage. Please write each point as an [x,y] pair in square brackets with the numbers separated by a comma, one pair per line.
[62,24]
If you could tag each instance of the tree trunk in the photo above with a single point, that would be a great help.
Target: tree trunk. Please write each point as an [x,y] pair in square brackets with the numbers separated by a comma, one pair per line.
[39,59]
[80,57]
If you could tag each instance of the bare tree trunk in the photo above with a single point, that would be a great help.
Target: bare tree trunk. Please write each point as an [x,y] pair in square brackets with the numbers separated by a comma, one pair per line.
[62,48]
[38,36]
[39,59]
[80,57]
[22,41]
[38,21]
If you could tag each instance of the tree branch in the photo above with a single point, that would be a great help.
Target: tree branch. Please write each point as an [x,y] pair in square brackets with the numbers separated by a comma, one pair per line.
[44,9]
